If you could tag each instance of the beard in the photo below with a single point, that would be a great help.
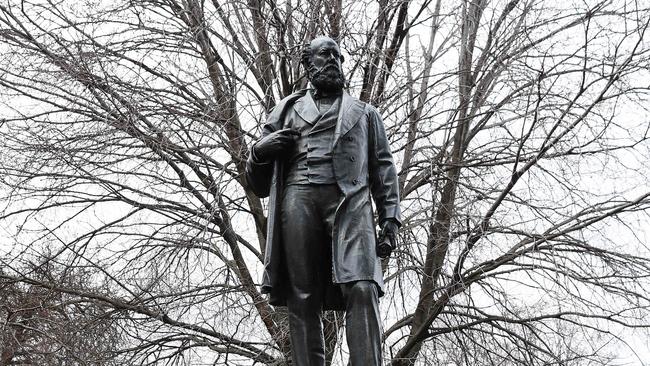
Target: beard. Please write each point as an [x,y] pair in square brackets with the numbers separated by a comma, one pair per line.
[327,79]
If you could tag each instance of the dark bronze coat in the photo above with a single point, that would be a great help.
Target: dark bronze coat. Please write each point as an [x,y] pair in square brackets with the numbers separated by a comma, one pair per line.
[363,165]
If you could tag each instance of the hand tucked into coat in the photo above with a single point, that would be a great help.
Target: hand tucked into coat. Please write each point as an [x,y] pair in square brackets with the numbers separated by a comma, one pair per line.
[269,146]
[387,238]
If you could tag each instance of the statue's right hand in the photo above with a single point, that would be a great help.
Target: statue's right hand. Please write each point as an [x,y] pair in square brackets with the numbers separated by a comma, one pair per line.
[269,146]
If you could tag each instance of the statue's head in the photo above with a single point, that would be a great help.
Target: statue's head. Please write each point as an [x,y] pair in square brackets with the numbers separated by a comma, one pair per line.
[322,59]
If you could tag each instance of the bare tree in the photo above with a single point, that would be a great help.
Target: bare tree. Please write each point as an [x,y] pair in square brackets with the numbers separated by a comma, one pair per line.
[518,127]
[45,326]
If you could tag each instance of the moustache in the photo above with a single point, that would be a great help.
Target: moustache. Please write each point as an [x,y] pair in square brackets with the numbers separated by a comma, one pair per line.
[327,67]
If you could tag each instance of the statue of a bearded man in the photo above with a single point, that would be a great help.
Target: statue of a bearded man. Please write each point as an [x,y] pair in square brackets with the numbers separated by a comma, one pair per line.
[322,155]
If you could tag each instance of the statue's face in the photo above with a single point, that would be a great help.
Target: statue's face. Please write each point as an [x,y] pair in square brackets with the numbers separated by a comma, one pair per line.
[325,71]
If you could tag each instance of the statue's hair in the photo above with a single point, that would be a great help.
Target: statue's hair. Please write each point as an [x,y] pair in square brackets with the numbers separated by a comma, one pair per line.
[305,54]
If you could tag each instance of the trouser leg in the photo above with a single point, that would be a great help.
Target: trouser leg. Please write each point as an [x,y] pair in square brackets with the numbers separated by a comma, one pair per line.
[307,344]
[363,325]
[303,249]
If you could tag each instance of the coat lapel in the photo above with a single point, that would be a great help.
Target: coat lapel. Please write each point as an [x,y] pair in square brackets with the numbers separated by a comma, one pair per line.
[349,114]
[306,108]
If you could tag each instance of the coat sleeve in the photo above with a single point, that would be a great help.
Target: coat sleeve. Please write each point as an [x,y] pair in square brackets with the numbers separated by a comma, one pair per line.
[381,168]
[260,173]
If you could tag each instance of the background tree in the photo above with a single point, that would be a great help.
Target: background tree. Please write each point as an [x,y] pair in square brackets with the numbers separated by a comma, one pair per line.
[47,326]
[519,127]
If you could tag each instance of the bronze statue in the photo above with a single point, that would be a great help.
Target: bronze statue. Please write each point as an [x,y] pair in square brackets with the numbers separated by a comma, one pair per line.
[321,155]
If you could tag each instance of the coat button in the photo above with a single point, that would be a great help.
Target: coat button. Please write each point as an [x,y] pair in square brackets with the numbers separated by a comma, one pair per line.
[355,181]
[352,158]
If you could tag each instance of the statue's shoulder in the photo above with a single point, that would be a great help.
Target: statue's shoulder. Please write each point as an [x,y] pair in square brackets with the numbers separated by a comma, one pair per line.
[290,99]
[367,107]
[371,110]
[281,107]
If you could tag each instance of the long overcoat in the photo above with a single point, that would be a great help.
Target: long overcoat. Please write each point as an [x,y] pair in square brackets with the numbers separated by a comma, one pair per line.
[363,165]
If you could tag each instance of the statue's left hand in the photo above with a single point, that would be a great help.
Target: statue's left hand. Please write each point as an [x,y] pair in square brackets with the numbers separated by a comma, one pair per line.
[387,238]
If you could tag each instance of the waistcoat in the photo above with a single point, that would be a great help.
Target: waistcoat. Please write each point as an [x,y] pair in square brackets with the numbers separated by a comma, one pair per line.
[310,162]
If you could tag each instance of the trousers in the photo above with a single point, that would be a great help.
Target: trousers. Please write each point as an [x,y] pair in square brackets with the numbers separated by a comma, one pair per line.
[307,216]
